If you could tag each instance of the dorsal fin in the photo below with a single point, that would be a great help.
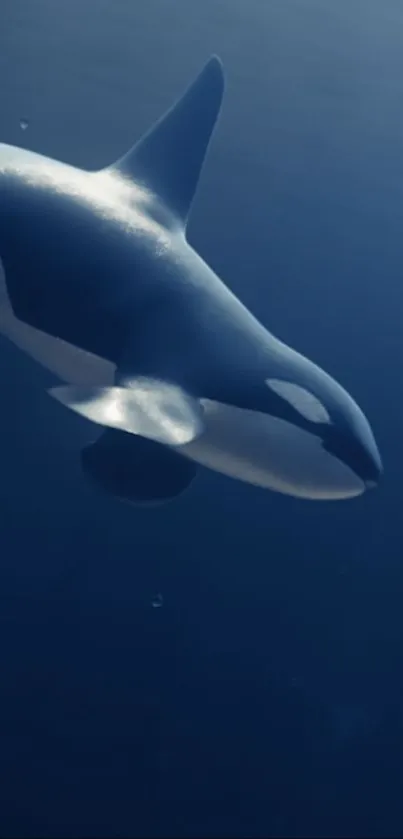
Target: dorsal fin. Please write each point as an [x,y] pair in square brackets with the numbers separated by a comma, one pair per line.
[168,159]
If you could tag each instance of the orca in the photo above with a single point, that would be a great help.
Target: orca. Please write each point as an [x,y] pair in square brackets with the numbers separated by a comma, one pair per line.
[103,288]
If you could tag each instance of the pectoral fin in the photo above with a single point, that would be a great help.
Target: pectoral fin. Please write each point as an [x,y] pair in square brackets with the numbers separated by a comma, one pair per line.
[149,408]
[136,470]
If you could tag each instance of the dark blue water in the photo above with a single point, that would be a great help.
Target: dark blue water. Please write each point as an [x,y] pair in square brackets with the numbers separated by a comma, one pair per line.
[265,695]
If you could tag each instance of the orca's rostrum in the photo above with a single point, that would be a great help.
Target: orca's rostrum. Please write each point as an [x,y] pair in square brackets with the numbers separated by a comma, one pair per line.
[103,289]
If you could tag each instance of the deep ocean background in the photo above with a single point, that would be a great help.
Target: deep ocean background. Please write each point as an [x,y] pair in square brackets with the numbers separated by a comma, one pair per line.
[265,696]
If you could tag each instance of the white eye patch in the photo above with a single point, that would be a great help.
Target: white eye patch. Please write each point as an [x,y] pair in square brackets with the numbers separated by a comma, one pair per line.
[304,402]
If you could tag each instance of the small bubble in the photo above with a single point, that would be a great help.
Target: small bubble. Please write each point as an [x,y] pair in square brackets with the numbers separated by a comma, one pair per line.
[24,124]
[157,601]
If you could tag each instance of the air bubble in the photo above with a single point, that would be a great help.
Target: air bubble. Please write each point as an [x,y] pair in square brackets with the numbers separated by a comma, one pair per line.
[157,601]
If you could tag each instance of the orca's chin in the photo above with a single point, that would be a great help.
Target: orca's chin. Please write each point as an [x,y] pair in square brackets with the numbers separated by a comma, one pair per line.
[269,452]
